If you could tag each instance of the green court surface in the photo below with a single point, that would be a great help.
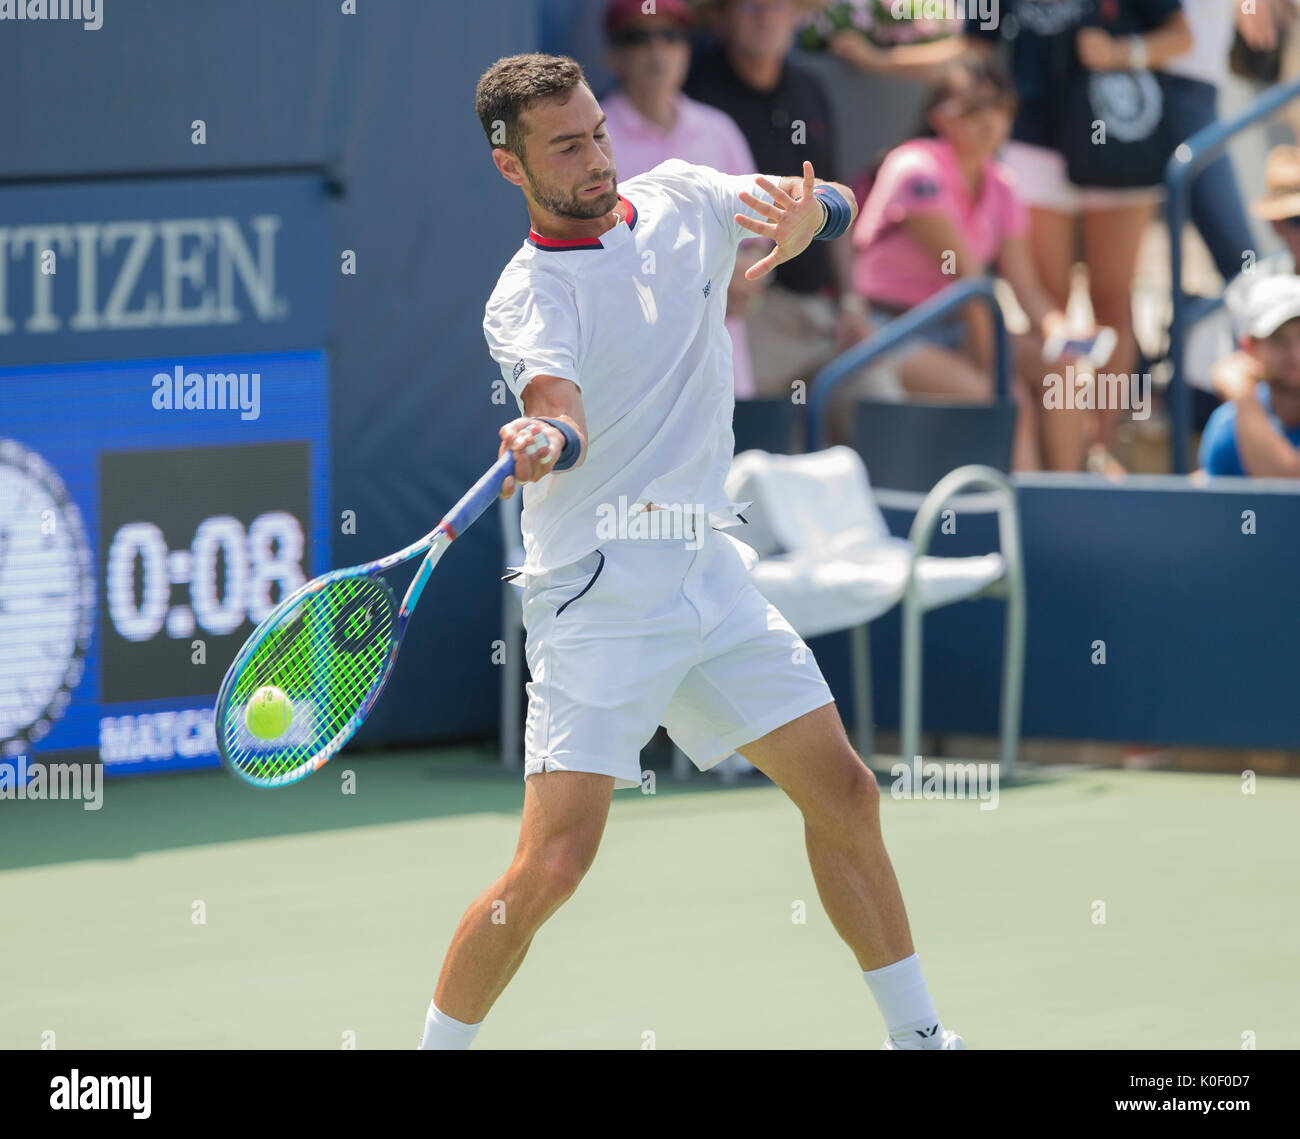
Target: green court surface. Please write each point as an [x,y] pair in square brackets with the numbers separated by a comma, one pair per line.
[327,914]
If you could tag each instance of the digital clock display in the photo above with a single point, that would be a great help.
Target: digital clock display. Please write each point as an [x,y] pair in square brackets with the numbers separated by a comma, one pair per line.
[197,546]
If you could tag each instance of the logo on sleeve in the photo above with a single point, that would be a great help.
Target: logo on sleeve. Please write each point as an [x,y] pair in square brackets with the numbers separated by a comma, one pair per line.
[923,188]
[708,286]
[519,369]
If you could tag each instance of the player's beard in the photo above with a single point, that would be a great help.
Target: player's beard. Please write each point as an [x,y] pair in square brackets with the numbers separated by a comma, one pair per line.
[571,204]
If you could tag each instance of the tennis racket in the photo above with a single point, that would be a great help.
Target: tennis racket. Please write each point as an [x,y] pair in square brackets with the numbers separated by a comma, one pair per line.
[330,647]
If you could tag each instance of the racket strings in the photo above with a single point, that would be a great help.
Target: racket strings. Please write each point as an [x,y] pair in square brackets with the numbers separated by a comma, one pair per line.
[325,655]
[312,685]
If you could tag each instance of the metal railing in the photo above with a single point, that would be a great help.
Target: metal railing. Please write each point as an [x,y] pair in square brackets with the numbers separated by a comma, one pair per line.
[899,329]
[1191,157]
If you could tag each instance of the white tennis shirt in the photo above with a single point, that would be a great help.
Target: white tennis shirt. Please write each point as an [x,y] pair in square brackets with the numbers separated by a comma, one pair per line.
[635,319]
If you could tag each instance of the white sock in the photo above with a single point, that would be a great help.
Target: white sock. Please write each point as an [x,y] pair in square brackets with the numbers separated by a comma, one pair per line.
[444,1033]
[904,1000]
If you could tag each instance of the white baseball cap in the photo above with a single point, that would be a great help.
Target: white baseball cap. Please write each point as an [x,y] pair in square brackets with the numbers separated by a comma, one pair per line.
[1270,304]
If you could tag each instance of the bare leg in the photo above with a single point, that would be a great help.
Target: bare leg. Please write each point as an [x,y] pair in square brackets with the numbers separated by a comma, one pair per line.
[1111,238]
[811,760]
[929,370]
[1060,429]
[1052,240]
[1061,432]
[563,820]
[1024,446]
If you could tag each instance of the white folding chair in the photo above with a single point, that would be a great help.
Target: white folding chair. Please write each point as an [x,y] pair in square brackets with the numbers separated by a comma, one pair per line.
[829,563]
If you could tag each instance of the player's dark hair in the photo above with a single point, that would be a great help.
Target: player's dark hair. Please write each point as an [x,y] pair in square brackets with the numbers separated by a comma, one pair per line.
[512,85]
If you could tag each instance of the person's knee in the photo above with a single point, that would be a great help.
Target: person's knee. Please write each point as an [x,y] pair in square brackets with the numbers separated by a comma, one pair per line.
[946,374]
[851,806]
[549,875]
[979,386]
[870,790]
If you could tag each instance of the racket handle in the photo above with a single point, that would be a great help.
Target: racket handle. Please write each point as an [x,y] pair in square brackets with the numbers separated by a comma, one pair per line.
[479,497]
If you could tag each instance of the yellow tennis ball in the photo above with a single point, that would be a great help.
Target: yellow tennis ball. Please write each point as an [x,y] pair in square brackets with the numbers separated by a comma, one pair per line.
[269,713]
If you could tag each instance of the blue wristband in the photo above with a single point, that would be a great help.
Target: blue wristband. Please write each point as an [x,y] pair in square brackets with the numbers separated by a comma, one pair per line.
[572,448]
[838,213]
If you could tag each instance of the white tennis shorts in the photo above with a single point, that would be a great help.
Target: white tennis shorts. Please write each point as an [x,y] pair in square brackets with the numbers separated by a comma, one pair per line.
[648,631]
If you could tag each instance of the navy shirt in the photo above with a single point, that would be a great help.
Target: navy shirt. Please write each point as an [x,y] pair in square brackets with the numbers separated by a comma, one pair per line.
[1042,55]
[766,119]
[1218,454]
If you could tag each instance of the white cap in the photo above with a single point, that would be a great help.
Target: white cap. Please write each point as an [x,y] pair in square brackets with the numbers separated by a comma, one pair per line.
[1269,304]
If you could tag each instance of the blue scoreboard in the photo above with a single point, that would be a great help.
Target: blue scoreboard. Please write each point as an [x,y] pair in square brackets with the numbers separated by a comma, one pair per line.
[164,451]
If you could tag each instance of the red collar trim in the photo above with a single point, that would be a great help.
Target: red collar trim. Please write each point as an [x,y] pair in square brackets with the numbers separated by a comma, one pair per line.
[551,244]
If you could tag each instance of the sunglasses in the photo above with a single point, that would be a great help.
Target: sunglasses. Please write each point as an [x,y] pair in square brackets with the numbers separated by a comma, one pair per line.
[1290,223]
[639,37]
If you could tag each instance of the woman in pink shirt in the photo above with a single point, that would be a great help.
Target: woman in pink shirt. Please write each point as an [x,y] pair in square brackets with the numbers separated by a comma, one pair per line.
[941,208]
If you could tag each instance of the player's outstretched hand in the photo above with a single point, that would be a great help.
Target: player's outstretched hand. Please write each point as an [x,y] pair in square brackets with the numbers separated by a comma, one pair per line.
[535,449]
[792,222]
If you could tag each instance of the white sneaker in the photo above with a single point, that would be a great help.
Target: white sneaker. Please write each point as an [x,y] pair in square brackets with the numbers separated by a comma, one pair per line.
[950,1040]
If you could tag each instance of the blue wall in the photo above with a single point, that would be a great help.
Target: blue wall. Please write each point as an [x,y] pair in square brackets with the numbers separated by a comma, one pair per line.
[1200,620]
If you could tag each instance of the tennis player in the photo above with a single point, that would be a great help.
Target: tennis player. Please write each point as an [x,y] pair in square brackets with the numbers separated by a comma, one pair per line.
[608,328]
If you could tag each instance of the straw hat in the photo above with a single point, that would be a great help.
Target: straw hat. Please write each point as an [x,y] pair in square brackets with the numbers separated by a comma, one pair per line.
[1281,197]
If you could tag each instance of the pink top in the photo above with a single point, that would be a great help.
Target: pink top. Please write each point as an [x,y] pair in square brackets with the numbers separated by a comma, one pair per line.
[922,176]
[702,135]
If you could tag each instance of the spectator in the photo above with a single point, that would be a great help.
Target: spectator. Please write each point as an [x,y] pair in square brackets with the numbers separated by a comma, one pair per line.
[1211,340]
[1257,431]
[1279,205]
[1215,202]
[1053,44]
[810,313]
[942,208]
[650,120]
